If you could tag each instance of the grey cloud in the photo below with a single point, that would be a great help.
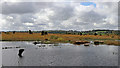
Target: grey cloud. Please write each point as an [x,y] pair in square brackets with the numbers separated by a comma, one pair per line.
[62,13]
[17,8]
[81,23]
[27,18]
[92,17]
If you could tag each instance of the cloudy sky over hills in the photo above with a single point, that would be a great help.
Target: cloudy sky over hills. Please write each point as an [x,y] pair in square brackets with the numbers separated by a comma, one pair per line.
[59,15]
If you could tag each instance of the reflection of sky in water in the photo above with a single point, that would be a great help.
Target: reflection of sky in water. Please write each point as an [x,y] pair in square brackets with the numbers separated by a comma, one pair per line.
[62,55]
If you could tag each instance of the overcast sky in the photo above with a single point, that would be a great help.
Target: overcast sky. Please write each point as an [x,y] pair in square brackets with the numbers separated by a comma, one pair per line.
[59,15]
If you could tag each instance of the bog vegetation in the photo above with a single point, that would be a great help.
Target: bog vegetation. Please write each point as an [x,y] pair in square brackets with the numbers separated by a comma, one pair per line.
[109,37]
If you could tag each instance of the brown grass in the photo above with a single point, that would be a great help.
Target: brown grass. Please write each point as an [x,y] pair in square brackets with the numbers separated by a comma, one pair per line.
[57,37]
[109,42]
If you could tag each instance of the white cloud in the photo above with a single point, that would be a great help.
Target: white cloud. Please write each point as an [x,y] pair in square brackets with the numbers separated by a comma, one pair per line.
[28,24]
[59,15]
[9,17]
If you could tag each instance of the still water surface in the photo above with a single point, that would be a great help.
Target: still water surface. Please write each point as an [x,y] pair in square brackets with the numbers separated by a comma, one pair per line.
[65,54]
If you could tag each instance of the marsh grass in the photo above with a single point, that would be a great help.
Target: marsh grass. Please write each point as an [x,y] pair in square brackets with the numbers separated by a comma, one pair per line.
[57,38]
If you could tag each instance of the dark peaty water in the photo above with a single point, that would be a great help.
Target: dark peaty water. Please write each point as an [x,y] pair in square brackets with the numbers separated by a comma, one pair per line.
[63,55]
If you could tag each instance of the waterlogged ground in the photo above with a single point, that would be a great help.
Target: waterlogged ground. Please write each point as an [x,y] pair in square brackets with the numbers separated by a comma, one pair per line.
[63,55]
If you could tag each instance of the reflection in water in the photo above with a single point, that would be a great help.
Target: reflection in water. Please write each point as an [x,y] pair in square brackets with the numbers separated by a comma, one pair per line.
[20,52]
[62,54]
[21,61]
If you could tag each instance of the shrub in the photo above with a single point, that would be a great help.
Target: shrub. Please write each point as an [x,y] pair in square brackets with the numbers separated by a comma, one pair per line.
[80,33]
[42,33]
[30,32]
[46,33]
[100,34]
[46,39]
[95,34]
[54,37]
[6,32]
[13,32]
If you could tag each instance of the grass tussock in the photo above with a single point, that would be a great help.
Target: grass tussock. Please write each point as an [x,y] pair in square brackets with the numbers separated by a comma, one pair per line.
[109,42]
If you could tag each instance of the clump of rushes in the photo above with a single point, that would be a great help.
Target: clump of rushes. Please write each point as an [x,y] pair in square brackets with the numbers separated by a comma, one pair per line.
[60,39]
[47,42]
[110,42]
[53,37]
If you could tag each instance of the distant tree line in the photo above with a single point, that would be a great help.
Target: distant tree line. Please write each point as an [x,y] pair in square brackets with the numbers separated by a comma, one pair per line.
[91,32]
